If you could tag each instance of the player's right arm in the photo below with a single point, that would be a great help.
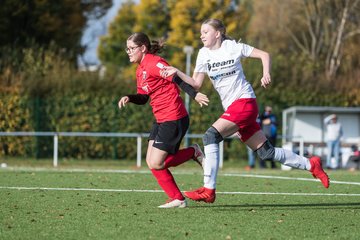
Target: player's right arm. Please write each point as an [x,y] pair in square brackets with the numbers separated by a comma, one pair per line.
[196,81]
[139,99]
[201,98]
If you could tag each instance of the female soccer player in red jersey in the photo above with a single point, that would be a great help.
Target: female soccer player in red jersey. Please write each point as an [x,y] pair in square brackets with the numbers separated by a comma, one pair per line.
[172,120]
[219,59]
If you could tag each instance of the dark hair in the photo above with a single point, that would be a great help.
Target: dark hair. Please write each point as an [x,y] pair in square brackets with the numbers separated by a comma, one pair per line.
[218,26]
[153,47]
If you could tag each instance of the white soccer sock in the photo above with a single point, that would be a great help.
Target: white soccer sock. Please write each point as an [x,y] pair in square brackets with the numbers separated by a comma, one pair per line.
[291,159]
[211,165]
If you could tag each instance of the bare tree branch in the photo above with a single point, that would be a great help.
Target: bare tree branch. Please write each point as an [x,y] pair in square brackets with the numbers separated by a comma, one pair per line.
[335,58]
[297,41]
[351,34]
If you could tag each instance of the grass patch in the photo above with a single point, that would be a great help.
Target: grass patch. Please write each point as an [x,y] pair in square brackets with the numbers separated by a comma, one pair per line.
[90,205]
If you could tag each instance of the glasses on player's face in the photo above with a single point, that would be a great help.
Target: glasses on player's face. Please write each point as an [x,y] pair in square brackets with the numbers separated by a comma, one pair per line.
[131,49]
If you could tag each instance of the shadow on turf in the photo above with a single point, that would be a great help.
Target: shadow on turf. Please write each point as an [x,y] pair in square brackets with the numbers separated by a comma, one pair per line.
[250,207]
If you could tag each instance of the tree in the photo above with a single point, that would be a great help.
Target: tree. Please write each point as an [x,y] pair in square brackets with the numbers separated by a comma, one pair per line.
[188,15]
[152,18]
[33,22]
[111,49]
[299,57]
[148,16]
[328,25]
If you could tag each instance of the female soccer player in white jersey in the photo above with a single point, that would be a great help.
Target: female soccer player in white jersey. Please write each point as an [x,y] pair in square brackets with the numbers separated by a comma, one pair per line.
[172,120]
[220,60]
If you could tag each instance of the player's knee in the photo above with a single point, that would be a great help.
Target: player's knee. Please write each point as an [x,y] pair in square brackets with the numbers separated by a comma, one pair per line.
[266,151]
[212,136]
[156,165]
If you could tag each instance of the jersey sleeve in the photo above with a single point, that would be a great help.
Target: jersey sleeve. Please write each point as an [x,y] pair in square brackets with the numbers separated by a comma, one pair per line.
[200,63]
[244,49]
[160,64]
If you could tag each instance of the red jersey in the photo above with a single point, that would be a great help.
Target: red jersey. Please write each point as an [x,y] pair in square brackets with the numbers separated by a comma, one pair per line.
[165,100]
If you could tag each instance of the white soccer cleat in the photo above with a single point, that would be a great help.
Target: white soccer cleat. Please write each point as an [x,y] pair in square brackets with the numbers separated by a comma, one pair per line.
[174,203]
[198,154]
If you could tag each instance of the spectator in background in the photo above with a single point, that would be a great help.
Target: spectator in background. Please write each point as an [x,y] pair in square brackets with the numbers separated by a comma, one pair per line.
[251,158]
[334,133]
[252,155]
[269,126]
[354,159]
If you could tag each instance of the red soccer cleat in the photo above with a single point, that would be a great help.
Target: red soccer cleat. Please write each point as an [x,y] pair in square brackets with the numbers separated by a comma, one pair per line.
[318,172]
[202,194]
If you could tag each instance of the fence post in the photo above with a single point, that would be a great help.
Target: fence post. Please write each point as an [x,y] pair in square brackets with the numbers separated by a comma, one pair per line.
[138,154]
[55,160]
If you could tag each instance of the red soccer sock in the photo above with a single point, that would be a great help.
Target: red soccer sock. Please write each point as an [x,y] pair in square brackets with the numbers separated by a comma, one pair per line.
[167,183]
[178,158]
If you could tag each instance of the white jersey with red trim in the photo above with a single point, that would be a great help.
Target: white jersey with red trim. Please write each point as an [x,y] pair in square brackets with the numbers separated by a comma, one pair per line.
[225,71]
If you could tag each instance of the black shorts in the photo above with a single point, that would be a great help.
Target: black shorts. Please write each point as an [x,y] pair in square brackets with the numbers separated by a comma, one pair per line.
[167,136]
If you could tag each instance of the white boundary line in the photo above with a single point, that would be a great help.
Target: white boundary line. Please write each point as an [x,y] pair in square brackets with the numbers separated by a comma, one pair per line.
[288,178]
[175,172]
[160,191]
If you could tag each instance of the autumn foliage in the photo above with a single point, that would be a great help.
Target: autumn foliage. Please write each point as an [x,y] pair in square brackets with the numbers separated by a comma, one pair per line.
[313,44]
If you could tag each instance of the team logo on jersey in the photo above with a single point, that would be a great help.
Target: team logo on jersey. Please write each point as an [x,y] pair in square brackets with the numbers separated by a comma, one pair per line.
[144,76]
[145,87]
[220,64]
[223,75]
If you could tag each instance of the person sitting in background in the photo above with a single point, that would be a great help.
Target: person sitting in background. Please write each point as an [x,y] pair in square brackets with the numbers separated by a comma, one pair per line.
[354,159]
[334,133]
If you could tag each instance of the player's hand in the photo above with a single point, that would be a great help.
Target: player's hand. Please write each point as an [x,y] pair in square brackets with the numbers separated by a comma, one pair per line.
[123,101]
[202,99]
[265,80]
[168,71]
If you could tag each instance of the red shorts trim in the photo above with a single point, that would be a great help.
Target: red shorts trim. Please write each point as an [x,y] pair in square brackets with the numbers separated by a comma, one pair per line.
[243,112]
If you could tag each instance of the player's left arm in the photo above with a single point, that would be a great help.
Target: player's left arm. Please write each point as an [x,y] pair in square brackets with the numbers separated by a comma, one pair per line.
[266,63]
[139,99]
